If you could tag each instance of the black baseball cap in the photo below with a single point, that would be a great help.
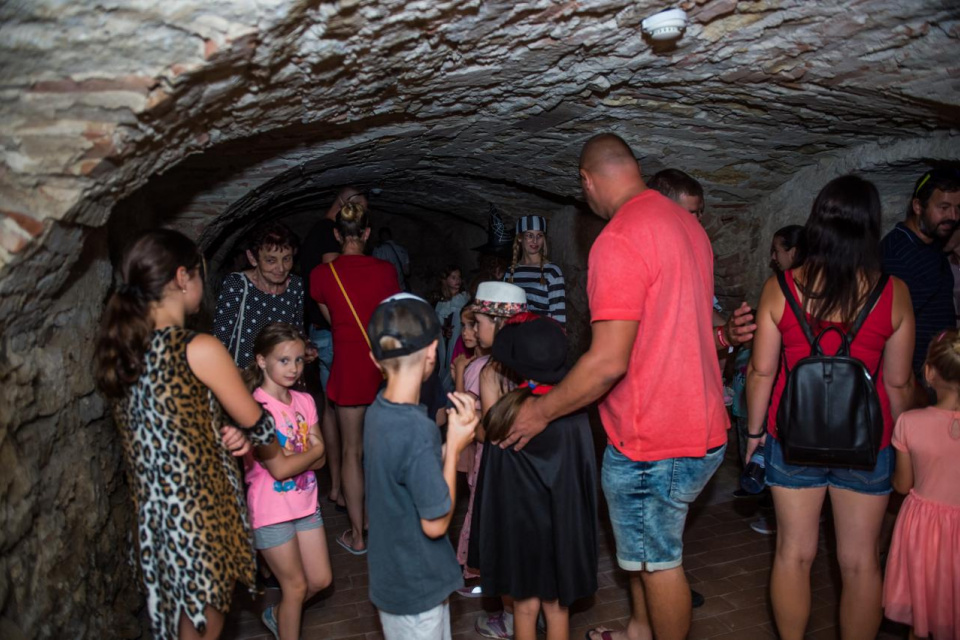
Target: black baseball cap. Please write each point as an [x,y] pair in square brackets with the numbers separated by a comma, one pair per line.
[407,318]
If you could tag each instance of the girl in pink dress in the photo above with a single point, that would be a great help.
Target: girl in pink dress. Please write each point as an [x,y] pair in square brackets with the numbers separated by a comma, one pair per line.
[466,373]
[922,587]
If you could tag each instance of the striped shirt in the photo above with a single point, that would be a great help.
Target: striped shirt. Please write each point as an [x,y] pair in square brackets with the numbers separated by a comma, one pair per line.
[546,299]
[925,270]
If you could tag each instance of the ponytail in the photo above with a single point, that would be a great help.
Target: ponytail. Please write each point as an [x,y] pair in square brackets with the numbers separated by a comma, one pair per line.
[148,266]
[501,416]
[517,247]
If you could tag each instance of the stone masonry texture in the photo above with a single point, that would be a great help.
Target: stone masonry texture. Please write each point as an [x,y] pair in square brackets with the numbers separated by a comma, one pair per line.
[120,115]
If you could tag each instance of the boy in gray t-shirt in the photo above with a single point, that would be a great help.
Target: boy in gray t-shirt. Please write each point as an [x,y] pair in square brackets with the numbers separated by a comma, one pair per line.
[410,481]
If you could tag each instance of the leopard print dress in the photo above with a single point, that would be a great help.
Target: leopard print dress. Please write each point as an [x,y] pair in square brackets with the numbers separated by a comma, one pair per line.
[194,538]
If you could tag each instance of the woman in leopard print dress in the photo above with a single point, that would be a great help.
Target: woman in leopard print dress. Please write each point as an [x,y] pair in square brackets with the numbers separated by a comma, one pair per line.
[167,385]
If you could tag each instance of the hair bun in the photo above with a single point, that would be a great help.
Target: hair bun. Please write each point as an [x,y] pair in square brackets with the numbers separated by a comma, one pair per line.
[352,211]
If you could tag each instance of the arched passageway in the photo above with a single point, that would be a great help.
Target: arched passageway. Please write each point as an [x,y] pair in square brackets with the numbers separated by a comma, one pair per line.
[208,117]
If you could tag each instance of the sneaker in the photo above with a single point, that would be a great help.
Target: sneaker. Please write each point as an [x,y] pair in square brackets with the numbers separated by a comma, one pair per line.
[470,592]
[764,526]
[270,622]
[495,625]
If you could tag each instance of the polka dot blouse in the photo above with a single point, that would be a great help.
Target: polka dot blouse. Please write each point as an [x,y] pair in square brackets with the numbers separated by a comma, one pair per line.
[237,328]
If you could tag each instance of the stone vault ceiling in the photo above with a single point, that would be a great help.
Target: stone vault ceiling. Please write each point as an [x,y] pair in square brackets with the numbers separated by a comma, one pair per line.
[233,108]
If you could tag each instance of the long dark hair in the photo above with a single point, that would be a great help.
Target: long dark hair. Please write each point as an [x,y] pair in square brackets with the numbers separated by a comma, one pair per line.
[148,266]
[843,248]
[794,236]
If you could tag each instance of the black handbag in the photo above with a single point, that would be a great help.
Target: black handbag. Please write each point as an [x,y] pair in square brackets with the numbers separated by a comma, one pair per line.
[829,413]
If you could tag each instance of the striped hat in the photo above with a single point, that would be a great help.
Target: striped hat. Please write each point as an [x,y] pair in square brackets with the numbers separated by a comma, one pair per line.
[531,223]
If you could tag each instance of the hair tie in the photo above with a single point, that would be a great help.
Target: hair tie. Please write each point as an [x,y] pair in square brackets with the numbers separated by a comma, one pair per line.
[131,291]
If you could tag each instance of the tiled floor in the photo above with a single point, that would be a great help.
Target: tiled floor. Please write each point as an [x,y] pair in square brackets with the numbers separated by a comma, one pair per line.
[725,560]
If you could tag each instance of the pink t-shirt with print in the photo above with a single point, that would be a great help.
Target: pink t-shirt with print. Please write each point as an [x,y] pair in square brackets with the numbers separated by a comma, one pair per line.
[273,501]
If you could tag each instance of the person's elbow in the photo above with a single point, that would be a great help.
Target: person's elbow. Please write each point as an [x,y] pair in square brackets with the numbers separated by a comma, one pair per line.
[902,484]
[435,528]
[611,367]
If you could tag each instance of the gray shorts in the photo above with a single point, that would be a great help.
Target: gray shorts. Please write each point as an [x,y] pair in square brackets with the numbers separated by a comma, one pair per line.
[433,624]
[274,535]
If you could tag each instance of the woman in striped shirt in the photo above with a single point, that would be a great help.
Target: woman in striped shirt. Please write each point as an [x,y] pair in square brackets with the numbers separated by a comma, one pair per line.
[530,270]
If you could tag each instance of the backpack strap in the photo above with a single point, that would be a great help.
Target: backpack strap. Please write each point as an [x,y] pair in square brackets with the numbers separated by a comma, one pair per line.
[795,307]
[867,307]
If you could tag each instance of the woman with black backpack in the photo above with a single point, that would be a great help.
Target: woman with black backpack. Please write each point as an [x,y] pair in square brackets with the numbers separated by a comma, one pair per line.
[831,372]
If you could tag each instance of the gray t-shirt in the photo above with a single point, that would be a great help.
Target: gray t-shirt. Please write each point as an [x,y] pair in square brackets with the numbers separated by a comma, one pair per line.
[403,468]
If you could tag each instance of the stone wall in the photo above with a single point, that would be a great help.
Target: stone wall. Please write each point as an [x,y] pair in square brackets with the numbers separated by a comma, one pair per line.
[211,116]
[65,541]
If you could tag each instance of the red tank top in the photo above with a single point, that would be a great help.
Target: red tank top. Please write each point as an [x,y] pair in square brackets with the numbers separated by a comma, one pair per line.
[867,347]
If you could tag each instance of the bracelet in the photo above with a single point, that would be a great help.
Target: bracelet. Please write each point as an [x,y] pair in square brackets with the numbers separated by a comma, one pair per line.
[720,338]
[756,436]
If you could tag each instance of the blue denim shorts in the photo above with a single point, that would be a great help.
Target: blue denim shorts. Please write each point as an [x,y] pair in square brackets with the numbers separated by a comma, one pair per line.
[323,339]
[780,474]
[648,503]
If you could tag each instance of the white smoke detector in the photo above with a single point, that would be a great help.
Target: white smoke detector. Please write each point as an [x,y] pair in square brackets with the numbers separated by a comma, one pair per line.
[666,25]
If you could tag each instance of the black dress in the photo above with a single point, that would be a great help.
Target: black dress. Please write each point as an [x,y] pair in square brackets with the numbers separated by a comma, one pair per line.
[534,530]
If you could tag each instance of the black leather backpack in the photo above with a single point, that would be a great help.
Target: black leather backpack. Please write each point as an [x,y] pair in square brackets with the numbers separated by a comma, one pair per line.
[829,413]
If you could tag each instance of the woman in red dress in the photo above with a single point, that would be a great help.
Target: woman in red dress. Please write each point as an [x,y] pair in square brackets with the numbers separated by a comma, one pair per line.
[348,290]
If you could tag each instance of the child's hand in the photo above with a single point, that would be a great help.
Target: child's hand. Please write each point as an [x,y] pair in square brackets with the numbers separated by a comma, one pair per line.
[314,440]
[235,440]
[462,421]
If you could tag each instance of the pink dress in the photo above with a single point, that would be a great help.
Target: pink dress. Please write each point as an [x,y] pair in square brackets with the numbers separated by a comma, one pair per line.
[471,382]
[922,586]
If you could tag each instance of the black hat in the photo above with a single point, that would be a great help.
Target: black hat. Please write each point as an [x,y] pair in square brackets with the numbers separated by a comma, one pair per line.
[499,238]
[408,319]
[537,349]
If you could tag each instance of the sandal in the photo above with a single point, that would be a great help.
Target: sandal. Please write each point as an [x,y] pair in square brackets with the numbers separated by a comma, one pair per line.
[342,541]
[606,634]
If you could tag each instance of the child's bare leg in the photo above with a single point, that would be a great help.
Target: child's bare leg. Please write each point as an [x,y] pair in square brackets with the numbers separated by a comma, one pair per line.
[558,620]
[287,565]
[316,560]
[525,614]
[212,630]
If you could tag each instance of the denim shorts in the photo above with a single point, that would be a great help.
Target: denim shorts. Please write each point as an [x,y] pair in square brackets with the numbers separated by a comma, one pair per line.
[780,474]
[323,339]
[274,535]
[648,503]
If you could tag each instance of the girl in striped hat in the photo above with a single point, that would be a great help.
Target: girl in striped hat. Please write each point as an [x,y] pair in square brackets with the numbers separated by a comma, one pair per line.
[541,279]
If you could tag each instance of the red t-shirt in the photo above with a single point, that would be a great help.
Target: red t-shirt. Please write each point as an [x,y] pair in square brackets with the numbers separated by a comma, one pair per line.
[867,347]
[653,264]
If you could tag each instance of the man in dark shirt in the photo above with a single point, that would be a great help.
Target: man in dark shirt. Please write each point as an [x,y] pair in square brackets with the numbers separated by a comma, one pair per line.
[320,247]
[913,252]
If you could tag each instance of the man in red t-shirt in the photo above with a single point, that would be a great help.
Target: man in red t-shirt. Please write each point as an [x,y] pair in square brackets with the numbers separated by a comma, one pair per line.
[653,360]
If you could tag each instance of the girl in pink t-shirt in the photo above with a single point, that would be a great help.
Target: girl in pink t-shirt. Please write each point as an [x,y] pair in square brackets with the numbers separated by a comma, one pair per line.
[922,587]
[282,493]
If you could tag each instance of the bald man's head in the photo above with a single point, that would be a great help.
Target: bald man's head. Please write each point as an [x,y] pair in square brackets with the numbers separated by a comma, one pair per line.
[609,174]
[605,152]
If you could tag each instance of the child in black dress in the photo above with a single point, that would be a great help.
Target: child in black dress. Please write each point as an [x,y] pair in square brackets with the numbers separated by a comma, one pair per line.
[535,515]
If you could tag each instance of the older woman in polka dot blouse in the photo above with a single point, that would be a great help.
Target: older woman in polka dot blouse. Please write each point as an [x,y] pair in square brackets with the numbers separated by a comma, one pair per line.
[267,292]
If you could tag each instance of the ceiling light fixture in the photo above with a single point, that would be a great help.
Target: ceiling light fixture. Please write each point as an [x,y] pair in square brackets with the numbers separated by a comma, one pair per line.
[666,25]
